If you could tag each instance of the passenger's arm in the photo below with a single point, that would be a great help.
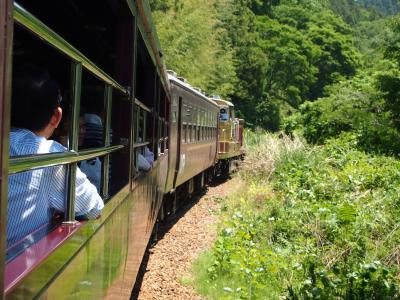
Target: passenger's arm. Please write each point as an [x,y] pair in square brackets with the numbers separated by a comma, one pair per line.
[87,201]
[149,155]
[143,163]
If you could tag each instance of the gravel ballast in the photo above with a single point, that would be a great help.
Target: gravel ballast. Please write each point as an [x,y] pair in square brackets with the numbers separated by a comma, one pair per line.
[181,238]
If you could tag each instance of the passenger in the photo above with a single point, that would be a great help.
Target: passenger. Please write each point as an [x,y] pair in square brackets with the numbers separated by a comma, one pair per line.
[93,118]
[148,155]
[91,167]
[34,196]
[93,136]
[94,131]
[223,115]
[143,163]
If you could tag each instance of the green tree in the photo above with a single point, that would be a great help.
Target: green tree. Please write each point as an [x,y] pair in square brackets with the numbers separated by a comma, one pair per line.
[193,43]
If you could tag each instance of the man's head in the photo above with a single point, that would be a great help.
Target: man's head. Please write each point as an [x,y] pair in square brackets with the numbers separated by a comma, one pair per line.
[36,101]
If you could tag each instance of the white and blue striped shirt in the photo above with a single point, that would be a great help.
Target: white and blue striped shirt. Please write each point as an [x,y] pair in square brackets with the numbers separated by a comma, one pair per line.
[34,195]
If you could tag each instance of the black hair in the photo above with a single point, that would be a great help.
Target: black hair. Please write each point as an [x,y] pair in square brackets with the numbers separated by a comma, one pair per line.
[35,96]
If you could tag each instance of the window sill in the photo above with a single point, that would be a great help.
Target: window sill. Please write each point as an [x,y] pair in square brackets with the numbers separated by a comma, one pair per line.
[33,256]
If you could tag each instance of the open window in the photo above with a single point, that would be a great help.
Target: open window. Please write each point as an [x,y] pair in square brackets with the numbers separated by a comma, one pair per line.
[92,68]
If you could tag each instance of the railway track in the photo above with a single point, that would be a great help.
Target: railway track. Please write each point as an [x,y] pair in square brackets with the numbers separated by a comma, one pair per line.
[165,272]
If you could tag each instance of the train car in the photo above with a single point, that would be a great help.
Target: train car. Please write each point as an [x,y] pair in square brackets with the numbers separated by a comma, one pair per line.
[230,135]
[193,135]
[107,61]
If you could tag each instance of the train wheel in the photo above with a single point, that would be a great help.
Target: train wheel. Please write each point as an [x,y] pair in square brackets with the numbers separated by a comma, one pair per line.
[199,182]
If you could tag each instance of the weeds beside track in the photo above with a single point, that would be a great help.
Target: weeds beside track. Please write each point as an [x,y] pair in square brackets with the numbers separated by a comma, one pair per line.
[308,223]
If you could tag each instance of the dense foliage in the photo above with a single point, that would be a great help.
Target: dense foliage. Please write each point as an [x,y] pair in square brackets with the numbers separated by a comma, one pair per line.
[267,56]
[308,223]
[389,7]
[367,104]
[270,57]
[194,43]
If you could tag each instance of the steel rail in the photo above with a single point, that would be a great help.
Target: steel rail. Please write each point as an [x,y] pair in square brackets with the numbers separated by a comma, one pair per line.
[30,22]
[32,162]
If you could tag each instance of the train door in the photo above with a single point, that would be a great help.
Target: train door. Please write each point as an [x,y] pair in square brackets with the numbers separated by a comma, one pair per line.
[179,141]
[175,140]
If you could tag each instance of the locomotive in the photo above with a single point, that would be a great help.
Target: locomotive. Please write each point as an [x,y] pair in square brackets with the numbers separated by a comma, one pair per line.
[108,61]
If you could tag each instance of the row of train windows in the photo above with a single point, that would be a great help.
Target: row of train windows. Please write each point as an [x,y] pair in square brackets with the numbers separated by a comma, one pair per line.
[198,116]
[192,133]
[99,108]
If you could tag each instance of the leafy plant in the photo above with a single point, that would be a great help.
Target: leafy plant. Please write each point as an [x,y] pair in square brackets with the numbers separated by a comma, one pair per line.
[323,225]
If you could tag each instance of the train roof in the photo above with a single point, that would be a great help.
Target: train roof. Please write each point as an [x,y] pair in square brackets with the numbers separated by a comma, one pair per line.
[181,82]
[149,33]
[223,103]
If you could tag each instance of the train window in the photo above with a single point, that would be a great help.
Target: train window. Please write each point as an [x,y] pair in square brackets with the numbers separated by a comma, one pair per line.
[147,93]
[166,116]
[119,136]
[193,133]
[187,133]
[77,91]
[198,133]
[199,117]
[161,136]
[51,64]
[187,111]
[183,133]
[101,34]
[92,112]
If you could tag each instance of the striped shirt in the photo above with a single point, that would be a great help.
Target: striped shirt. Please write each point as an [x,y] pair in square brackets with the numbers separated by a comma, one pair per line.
[33,196]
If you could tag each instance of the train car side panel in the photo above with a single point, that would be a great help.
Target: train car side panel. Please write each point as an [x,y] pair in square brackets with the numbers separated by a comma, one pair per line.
[195,134]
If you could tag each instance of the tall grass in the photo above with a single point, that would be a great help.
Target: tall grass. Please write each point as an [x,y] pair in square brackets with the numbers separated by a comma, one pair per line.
[264,151]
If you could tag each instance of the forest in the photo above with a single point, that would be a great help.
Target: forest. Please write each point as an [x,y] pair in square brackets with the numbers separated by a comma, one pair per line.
[318,66]
[316,215]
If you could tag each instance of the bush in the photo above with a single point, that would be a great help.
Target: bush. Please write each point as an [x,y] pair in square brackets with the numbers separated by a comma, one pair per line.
[352,106]
[325,226]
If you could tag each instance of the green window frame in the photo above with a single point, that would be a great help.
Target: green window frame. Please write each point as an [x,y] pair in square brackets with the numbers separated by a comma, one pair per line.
[71,157]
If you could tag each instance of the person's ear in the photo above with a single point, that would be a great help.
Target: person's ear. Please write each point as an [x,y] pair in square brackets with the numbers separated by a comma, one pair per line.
[56,118]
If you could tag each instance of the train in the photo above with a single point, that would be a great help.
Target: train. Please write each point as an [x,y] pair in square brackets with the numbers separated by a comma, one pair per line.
[108,61]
